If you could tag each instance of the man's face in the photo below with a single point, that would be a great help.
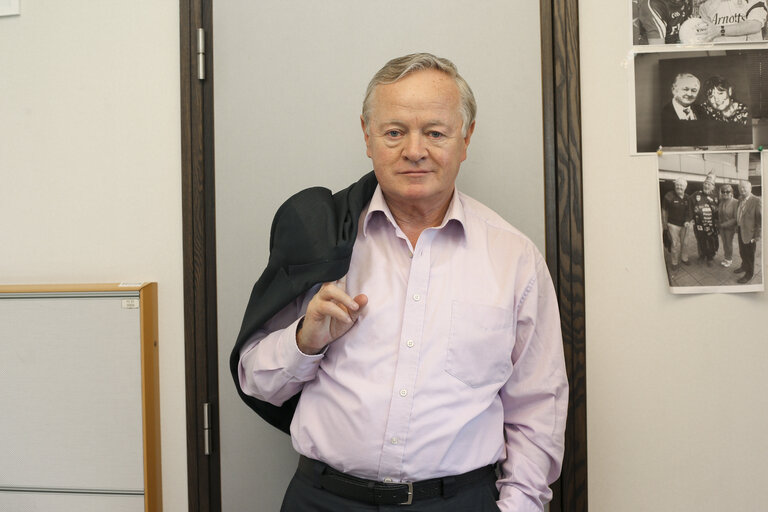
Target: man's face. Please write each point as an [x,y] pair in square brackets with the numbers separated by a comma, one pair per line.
[414,139]
[745,188]
[708,187]
[685,90]
[679,189]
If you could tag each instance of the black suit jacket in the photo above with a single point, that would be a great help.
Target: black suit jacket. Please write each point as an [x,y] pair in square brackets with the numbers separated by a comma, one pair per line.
[311,242]
[682,132]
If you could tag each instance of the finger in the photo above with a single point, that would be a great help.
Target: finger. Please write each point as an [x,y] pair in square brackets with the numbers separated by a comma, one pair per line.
[334,311]
[331,292]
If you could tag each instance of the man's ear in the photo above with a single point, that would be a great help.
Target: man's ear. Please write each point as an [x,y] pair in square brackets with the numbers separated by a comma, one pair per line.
[366,136]
[467,138]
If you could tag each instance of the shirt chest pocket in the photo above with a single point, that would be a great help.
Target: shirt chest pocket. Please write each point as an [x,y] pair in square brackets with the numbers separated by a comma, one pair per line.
[480,344]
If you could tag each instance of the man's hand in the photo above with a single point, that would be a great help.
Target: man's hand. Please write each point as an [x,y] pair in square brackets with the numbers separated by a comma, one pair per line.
[330,314]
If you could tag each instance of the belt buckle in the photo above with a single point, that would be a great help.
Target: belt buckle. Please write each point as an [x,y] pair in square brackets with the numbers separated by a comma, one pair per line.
[410,494]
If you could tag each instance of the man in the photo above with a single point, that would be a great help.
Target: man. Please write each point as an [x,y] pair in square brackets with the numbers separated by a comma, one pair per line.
[731,21]
[661,19]
[439,354]
[680,117]
[703,205]
[749,219]
[726,214]
[675,217]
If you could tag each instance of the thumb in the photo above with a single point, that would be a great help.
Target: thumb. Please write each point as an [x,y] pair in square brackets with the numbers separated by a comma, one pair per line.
[361,300]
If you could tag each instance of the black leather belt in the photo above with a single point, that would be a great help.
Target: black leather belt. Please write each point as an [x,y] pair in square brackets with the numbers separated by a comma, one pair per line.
[380,493]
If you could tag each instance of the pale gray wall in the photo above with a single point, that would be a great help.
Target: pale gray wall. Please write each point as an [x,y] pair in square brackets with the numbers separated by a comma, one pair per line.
[677,386]
[90,168]
[290,77]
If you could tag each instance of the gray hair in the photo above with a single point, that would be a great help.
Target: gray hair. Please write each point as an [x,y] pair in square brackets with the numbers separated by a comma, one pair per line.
[400,67]
[746,184]
[682,181]
[680,76]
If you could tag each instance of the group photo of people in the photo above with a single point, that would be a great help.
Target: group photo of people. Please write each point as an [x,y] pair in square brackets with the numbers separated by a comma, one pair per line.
[659,22]
[701,101]
[711,221]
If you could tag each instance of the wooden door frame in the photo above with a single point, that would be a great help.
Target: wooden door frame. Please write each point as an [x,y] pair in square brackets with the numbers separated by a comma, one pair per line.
[564,239]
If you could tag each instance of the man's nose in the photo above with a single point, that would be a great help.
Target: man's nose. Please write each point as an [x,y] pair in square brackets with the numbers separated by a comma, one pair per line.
[415,148]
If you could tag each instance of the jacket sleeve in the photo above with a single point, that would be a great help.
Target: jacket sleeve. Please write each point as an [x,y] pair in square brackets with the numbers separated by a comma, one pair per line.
[272,368]
[652,20]
[758,219]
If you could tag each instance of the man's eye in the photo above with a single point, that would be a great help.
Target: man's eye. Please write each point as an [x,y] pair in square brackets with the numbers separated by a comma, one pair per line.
[393,133]
[435,135]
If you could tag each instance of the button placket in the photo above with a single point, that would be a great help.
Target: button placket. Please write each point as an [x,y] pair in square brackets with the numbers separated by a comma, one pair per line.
[406,369]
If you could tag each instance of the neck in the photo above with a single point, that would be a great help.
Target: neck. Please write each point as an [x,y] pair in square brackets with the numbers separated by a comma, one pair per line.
[413,218]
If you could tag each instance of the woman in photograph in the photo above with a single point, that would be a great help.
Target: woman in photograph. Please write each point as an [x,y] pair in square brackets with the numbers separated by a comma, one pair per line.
[720,105]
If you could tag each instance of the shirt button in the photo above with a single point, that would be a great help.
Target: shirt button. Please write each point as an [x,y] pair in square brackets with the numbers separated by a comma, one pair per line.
[416,297]
[393,440]
[387,480]
[403,392]
[410,343]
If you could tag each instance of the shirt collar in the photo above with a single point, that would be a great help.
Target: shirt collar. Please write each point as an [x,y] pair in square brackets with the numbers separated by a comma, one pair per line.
[679,109]
[454,214]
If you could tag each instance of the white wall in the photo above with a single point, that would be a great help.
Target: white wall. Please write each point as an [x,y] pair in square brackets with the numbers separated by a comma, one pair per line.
[677,386]
[90,165]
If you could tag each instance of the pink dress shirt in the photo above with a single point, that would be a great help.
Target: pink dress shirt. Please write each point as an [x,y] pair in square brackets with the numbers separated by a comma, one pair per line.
[455,363]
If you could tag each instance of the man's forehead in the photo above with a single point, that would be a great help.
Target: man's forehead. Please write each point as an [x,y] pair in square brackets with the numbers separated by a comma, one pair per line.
[687,81]
[432,93]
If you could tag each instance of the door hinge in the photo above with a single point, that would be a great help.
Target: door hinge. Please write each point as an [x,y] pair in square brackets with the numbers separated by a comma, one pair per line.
[201,54]
[207,428]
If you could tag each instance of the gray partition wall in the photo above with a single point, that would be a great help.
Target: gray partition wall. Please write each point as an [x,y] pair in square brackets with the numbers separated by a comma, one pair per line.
[290,78]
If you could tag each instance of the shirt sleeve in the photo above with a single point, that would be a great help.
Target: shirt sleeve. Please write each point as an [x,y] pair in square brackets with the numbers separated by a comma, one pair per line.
[535,401]
[272,368]
[652,20]
[757,11]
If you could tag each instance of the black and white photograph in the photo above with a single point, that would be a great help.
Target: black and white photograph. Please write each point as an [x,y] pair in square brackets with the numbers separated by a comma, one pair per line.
[701,100]
[691,22]
[711,221]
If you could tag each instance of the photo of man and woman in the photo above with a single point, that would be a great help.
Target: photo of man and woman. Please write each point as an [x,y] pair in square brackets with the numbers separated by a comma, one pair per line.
[696,101]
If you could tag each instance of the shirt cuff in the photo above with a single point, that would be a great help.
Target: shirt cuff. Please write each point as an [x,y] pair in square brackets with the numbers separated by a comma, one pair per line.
[514,500]
[299,365]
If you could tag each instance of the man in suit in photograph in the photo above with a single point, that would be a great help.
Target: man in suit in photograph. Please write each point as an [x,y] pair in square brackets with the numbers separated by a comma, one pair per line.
[749,219]
[681,117]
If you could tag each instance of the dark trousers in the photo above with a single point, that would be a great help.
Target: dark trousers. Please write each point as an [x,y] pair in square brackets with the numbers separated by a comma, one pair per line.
[747,253]
[707,244]
[303,496]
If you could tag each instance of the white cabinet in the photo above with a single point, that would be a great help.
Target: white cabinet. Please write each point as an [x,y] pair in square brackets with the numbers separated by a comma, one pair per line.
[79,392]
